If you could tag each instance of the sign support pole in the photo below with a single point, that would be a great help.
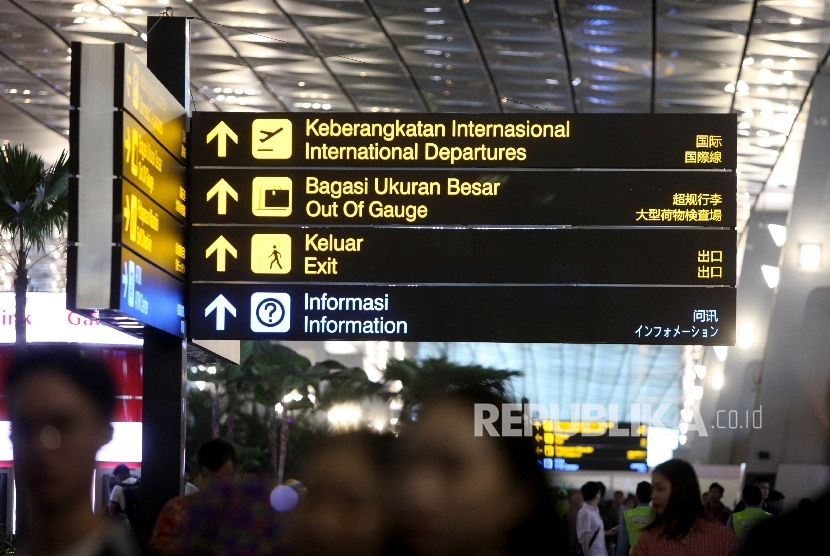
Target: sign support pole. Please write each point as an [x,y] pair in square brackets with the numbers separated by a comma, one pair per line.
[165,355]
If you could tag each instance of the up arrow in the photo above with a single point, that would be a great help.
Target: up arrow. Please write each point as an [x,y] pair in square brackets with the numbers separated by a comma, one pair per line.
[221,191]
[222,132]
[220,305]
[222,247]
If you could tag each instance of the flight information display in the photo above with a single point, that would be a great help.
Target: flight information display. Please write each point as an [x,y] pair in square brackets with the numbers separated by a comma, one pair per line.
[490,227]
[586,446]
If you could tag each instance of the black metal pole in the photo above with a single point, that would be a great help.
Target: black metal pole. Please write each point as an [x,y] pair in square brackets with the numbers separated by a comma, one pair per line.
[163,425]
[165,355]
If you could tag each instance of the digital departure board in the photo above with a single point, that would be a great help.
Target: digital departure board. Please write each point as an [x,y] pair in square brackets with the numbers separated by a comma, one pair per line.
[577,446]
[487,227]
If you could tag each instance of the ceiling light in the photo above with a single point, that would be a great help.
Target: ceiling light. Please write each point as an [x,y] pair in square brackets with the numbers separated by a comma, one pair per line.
[762,133]
[810,256]
[796,20]
[217,89]
[435,22]
[551,81]
[686,414]
[683,427]
[720,352]
[90,7]
[220,98]
[767,62]
[327,107]
[136,11]
[432,10]
[746,336]
[301,84]
[227,90]
[316,105]
[164,2]
[238,91]
[742,86]
[730,88]
[791,61]
[576,81]
[744,125]
[762,91]
[771,275]
[767,112]
[717,381]
[749,60]
[778,233]
[700,371]
[144,37]
[698,392]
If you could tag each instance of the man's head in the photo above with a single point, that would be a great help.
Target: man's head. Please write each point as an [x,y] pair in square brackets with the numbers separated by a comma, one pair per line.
[715,493]
[601,489]
[752,495]
[216,458]
[60,404]
[776,498]
[643,492]
[763,483]
[590,491]
[619,498]
[121,472]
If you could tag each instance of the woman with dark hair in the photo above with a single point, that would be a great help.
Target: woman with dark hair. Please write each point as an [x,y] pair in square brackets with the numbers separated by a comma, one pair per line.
[467,488]
[680,527]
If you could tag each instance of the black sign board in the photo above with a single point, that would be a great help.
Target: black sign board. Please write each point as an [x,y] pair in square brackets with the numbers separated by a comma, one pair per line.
[573,314]
[140,158]
[676,141]
[462,197]
[590,446]
[127,193]
[150,231]
[413,255]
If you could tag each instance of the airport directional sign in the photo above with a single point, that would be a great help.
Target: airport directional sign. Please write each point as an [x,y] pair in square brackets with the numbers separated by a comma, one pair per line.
[462,197]
[486,227]
[460,313]
[420,255]
[274,140]
[127,221]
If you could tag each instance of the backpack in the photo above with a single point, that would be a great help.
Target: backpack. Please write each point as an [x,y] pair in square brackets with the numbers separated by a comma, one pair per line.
[132,503]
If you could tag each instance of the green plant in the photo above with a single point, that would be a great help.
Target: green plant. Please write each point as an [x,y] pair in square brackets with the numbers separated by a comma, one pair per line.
[34,201]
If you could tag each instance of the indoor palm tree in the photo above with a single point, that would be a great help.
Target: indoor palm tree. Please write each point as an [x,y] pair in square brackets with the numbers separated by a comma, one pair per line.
[34,201]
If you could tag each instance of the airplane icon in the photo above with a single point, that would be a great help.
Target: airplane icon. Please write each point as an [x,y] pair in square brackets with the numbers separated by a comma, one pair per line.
[271,138]
[267,134]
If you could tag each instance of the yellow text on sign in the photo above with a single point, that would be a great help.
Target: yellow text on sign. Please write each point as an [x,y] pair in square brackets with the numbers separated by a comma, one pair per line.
[271,253]
[271,196]
[271,138]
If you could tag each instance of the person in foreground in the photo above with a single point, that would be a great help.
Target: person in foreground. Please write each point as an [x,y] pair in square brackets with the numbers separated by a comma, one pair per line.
[60,406]
[468,492]
[679,526]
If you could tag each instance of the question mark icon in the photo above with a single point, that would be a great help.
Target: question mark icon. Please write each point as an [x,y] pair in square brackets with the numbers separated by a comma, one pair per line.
[270,312]
[273,308]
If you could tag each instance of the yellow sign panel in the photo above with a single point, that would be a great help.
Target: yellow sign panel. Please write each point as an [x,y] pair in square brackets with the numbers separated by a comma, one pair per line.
[271,196]
[271,138]
[271,253]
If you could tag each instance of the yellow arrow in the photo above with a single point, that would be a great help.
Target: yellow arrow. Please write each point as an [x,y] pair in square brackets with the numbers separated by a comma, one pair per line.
[222,132]
[222,247]
[222,189]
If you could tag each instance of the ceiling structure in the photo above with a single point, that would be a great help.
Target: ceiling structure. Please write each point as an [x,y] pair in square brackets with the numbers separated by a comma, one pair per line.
[754,58]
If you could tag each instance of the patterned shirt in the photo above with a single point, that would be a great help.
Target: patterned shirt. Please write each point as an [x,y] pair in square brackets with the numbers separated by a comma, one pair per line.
[172,521]
[705,538]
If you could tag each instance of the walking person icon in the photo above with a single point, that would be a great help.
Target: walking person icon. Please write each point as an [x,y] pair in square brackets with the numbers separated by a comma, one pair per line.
[271,253]
[276,255]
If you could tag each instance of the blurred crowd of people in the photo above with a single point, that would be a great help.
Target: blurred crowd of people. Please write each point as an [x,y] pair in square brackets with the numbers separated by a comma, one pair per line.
[438,489]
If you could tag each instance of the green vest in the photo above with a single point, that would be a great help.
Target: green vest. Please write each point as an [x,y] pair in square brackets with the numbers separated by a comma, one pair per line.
[744,521]
[635,520]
